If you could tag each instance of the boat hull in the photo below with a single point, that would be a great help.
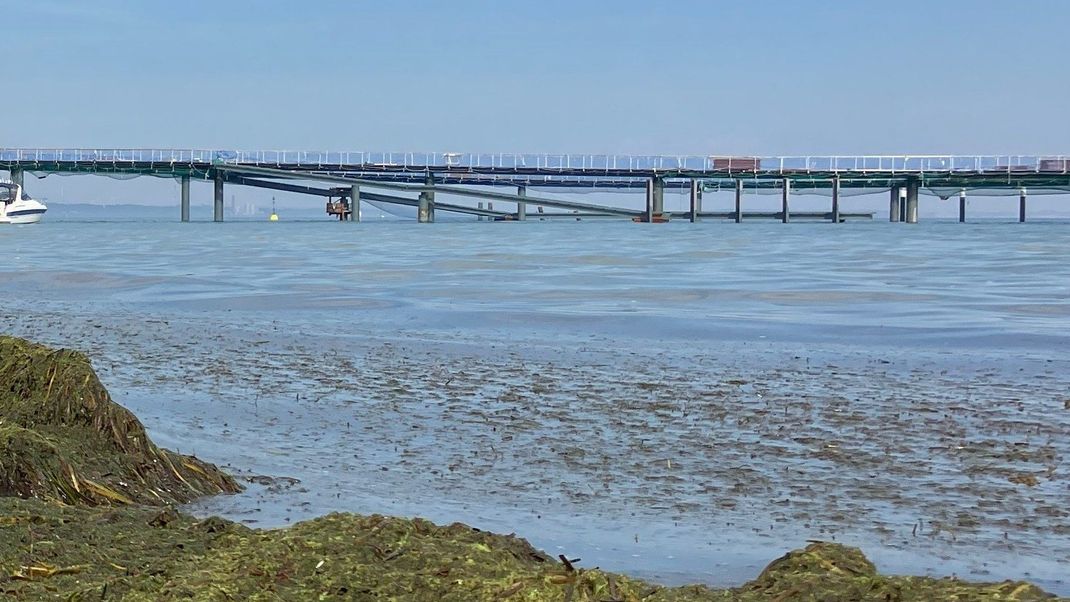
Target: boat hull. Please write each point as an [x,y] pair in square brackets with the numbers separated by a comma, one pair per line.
[25,211]
[26,217]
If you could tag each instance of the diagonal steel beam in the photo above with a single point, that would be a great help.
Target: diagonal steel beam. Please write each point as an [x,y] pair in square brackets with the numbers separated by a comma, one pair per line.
[530,200]
[371,196]
[236,179]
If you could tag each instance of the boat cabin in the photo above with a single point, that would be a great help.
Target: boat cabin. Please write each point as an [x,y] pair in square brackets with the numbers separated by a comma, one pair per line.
[9,193]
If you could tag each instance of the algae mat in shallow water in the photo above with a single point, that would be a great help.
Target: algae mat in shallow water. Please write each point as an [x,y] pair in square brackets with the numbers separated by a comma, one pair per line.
[79,475]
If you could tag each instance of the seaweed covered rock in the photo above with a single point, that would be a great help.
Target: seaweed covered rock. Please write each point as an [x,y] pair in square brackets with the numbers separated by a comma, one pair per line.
[831,572]
[63,438]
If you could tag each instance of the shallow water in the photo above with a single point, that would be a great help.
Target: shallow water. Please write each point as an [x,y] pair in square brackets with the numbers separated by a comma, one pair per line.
[683,402]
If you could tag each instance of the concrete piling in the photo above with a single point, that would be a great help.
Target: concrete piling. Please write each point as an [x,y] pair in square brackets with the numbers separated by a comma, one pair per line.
[431,197]
[422,211]
[479,205]
[354,203]
[739,201]
[696,201]
[184,186]
[836,200]
[785,215]
[649,200]
[426,207]
[962,205]
[17,176]
[217,214]
[893,204]
[1021,206]
[659,196]
[912,202]
[521,207]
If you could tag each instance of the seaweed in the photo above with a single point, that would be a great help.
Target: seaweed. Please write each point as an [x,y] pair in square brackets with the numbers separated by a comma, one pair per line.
[62,438]
[136,553]
[831,572]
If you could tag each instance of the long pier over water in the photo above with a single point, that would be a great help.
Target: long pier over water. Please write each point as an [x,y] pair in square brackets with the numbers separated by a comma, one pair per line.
[413,179]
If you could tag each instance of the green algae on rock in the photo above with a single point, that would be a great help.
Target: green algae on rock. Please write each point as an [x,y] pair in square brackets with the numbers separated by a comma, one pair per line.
[62,438]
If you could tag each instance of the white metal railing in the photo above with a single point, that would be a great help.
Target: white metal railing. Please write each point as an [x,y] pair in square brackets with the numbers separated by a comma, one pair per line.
[551,163]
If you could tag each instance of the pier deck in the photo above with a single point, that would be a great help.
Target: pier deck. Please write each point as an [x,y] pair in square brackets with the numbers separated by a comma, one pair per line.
[484,175]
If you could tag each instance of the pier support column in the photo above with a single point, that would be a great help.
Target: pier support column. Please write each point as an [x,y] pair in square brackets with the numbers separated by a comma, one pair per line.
[423,210]
[184,185]
[479,218]
[912,202]
[218,213]
[785,216]
[893,204]
[521,208]
[836,200]
[354,203]
[962,205]
[17,176]
[649,214]
[431,197]
[1021,205]
[426,209]
[739,201]
[659,196]
[696,201]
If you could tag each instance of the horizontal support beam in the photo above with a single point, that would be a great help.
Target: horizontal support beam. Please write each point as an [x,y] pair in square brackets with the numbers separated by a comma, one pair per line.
[802,182]
[825,215]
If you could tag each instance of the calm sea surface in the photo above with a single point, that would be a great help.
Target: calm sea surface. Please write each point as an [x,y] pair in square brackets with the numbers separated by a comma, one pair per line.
[682,402]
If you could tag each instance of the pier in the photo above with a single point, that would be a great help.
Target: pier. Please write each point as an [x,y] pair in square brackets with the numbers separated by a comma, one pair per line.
[514,181]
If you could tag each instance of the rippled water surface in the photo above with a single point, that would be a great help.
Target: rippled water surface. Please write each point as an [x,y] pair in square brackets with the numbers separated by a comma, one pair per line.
[683,402]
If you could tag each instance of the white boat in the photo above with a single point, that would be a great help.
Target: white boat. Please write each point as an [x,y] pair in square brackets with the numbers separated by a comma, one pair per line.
[16,207]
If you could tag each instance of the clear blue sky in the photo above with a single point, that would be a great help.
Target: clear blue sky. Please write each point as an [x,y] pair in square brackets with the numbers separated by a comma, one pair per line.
[775,77]
[704,77]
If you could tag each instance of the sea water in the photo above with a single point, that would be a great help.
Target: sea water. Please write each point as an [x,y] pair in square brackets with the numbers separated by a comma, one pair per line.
[683,402]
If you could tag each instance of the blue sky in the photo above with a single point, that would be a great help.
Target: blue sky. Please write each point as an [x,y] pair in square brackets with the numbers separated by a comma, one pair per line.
[623,76]
[703,77]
